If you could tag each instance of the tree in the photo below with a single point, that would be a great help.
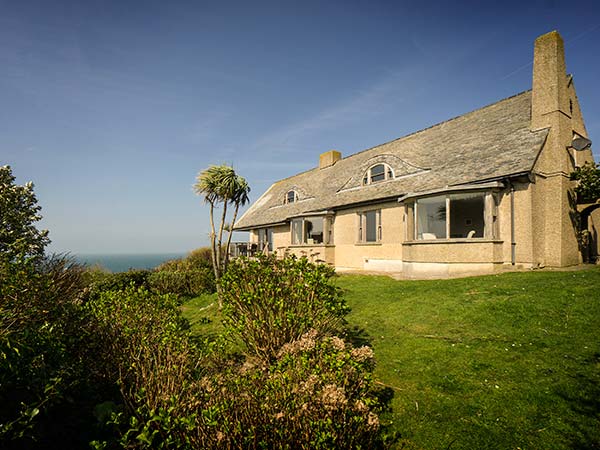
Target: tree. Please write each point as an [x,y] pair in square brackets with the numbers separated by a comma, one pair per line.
[221,185]
[20,240]
[588,188]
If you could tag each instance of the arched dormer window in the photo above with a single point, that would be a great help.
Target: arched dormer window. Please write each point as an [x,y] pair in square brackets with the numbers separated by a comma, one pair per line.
[291,196]
[377,173]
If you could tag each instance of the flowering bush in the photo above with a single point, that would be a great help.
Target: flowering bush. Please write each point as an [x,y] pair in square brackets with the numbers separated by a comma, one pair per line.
[316,394]
[269,302]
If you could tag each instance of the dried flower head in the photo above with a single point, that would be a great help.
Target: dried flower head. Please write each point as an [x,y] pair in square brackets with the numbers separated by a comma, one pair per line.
[333,397]
[362,354]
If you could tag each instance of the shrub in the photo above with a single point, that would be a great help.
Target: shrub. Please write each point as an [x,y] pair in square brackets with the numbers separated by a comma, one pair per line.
[47,383]
[183,282]
[200,257]
[119,281]
[588,186]
[189,276]
[316,394]
[146,343]
[270,302]
[149,355]
[311,392]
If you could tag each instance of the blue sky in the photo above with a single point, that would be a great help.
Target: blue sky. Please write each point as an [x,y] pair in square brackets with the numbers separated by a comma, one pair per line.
[112,107]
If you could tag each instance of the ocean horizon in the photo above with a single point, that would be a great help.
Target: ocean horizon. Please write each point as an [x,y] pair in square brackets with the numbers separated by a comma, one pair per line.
[123,262]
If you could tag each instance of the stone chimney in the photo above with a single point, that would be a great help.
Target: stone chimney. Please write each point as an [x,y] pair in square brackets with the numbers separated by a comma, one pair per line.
[553,101]
[550,93]
[329,158]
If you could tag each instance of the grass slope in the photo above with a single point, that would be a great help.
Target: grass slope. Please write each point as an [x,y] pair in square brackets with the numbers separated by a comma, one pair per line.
[506,361]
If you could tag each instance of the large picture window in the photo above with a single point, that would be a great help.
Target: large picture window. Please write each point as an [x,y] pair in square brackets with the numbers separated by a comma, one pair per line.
[431,218]
[265,239]
[311,231]
[455,216]
[369,226]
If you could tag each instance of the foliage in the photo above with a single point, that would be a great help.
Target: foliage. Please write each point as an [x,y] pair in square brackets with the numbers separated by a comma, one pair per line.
[588,186]
[316,394]
[182,282]
[19,238]
[199,258]
[269,302]
[221,185]
[107,282]
[149,355]
[45,384]
[189,276]
[443,346]
[146,343]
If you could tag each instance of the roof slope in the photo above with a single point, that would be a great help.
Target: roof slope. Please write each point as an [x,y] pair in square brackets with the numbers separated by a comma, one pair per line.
[490,142]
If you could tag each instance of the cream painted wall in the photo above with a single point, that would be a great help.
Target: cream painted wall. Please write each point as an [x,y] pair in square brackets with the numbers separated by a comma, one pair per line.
[351,254]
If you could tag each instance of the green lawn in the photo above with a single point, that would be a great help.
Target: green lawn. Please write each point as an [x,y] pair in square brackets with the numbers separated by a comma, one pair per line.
[506,361]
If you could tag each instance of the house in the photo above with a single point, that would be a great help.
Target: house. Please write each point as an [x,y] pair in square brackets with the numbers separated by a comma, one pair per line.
[472,194]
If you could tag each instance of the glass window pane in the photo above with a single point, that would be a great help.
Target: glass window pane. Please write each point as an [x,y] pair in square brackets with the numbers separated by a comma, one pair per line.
[377,173]
[296,231]
[314,230]
[371,226]
[291,197]
[467,215]
[431,218]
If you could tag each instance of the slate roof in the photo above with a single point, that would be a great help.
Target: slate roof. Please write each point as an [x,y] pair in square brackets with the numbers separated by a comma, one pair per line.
[487,143]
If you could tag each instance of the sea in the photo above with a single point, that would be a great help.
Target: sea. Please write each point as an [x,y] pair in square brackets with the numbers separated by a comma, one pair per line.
[123,262]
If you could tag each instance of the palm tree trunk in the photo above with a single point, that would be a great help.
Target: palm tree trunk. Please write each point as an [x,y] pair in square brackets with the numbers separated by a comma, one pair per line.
[218,252]
[235,213]
[213,252]
[220,237]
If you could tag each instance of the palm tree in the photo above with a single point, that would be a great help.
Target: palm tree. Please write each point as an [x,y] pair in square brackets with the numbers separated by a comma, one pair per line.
[220,184]
[240,198]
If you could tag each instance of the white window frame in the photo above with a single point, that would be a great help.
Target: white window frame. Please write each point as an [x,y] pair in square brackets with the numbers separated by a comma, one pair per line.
[388,174]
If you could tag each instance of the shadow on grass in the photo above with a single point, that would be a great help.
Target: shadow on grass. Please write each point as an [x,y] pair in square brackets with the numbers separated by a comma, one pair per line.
[389,436]
[357,336]
[583,397]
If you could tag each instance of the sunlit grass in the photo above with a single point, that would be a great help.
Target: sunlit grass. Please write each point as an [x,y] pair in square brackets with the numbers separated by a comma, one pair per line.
[505,361]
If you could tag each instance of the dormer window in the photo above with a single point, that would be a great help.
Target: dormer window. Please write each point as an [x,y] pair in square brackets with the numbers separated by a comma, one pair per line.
[291,197]
[377,173]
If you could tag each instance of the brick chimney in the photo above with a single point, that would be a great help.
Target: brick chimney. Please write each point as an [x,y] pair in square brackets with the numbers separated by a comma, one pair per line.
[329,158]
[550,94]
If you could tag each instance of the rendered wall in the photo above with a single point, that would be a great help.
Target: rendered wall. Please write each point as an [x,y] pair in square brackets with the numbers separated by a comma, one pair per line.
[384,255]
[554,106]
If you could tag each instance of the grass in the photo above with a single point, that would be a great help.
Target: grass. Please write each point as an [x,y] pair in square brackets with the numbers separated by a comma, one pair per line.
[506,361]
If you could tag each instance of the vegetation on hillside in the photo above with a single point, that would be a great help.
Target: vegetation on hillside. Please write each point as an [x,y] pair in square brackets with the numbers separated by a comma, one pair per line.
[495,362]
[107,360]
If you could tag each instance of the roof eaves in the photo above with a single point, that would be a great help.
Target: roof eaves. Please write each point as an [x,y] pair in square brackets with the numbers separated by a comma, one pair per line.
[265,225]
[458,187]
